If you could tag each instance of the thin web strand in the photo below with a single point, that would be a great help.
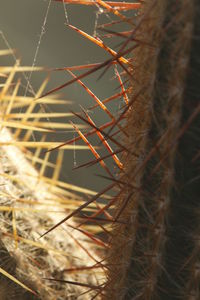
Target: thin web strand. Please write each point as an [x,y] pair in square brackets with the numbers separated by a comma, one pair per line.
[43,30]
[30,87]
[65,12]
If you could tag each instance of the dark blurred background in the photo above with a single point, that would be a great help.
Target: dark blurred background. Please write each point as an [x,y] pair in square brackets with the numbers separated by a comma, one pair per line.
[22,22]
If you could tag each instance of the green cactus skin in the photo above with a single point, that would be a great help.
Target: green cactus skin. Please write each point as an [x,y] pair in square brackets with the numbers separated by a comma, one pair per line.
[155,255]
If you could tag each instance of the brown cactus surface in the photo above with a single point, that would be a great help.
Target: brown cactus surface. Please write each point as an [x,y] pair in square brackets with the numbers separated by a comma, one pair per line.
[154,255]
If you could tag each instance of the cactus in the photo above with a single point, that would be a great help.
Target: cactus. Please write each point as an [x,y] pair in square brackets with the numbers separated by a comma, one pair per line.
[150,227]
[154,255]
[32,200]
